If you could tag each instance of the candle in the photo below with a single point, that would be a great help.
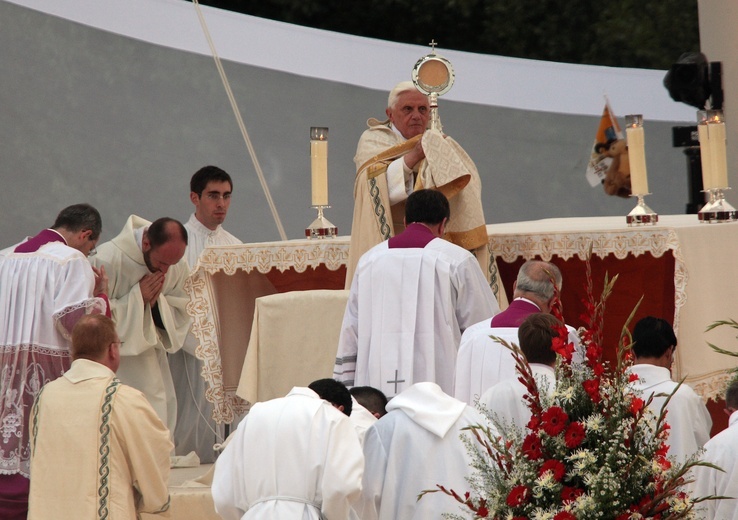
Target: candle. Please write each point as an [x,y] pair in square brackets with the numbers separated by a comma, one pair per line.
[319,165]
[705,152]
[636,154]
[718,160]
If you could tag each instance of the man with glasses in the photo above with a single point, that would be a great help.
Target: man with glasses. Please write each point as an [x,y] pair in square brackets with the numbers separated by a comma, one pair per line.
[46,285]
[147,271]
[98,450]
[210,192]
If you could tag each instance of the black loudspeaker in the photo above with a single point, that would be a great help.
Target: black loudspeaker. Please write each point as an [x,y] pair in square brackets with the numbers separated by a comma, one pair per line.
[688,80]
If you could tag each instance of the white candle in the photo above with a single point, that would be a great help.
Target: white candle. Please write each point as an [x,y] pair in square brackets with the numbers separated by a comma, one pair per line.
[319,166]
[637,155]
[705,154]
[718,160]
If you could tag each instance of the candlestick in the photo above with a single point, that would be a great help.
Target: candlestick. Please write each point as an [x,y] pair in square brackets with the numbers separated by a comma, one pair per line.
[705,152]
[319,165]
[718,160]
[637,154]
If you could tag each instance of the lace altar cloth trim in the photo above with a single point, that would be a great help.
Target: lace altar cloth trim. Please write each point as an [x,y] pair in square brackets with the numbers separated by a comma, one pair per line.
[293,254]
[655,241]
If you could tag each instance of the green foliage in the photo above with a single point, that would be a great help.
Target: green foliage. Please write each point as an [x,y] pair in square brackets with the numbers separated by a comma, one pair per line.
[623,33]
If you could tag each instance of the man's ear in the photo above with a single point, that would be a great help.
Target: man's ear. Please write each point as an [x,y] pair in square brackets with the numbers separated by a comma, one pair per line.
[194,197]
[389,113]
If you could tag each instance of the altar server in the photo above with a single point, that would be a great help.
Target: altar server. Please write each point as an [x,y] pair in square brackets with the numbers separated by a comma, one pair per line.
[98,449]
[147,274]
[654,343]
[505,400]
[722,451]
[46,285]
[210,192]
[293,457]
[413,448]
[411,299]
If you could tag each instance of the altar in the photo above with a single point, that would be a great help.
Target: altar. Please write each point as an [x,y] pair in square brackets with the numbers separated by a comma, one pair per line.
[685,271]
[223,288]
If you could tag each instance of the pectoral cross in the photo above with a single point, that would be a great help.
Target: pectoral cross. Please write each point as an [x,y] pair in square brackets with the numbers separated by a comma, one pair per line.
[396,381]
[433,46]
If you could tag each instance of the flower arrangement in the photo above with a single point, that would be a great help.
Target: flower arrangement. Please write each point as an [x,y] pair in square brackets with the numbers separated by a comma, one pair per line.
[592,449]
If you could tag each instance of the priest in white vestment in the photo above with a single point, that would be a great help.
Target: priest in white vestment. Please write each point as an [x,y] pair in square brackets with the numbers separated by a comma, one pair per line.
[722,451]
[98,449]
[295,457]
[147,271]
[46,285]
[654,346]
[411,299]
[505,401]
[210,192]
[399,155]
[413,448]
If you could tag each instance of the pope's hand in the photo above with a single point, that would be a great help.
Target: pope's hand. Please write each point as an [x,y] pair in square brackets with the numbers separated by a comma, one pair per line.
[414,156]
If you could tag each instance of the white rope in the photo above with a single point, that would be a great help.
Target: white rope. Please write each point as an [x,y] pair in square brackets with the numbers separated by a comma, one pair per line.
[239,120]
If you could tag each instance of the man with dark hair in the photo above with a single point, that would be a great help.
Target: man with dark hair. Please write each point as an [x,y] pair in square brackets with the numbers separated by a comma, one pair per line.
[89,432]
[210,192]
[411,298]
[722,451]
[147,271]
[654,344]
[370,398]
[334,392]
[505,400]
[369,405]
[293,457]
[46,285]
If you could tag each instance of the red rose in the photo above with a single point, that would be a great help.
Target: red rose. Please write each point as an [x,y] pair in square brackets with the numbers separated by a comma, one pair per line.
[636,405]
[554,420]
[518,496]
[592,387]
[564,515]
[557,469]
[594,353]
[598,369]
[632,378]
[570,494]
[534,423]
[482,512]
[574,435]
[532,447]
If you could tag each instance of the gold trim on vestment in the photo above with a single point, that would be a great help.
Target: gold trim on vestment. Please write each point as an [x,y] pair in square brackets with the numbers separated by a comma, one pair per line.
[470,239]
[387,156]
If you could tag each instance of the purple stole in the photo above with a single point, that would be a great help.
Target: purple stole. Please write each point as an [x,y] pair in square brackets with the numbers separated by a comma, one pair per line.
[34,244]
[515,314]
[415,235]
